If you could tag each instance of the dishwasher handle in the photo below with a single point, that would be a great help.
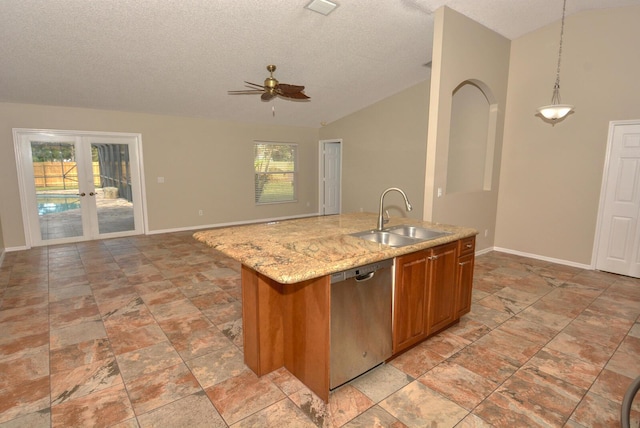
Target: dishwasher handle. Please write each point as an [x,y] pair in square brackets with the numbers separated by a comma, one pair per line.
[365,277]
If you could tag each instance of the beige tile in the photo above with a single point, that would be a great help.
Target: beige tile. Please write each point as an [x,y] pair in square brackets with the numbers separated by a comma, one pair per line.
[486,363]
[417,361]
[458,384]
[106,407]
[218,366]
[24,397]
[147,360]
[563,366]
[417,405]
[375,416]
[194,335]
[381,382]
[80,354]
[514,347]
[154,390]
[596,411]
[283,414]
[283,379]
[193,411]
[128,340]
[594,353]
[84,380]
[77,333]
[243,395]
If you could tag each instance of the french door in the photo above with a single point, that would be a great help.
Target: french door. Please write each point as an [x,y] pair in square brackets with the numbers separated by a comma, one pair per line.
[78,186]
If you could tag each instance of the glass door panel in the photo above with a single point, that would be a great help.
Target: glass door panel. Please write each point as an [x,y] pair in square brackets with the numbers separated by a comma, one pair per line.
[55,175]
[114,195]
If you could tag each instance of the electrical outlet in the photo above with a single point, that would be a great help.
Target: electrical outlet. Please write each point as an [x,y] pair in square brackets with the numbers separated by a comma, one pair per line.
[486,233]
[200,212]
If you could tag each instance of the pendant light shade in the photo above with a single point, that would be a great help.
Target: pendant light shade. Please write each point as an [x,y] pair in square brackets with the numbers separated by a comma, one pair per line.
[556,110]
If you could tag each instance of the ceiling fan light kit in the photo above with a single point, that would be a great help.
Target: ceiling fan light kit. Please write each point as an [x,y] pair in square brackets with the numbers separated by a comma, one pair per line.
[324,7]
[272,88]
[556,110]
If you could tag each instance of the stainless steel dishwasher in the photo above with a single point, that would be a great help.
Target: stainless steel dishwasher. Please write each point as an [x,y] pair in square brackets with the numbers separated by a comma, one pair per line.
[361,300]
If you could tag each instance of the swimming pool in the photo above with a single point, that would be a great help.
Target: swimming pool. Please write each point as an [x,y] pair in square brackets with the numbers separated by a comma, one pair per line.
[51,203]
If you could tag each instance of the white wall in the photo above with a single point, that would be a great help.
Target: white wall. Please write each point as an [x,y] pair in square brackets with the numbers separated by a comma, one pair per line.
[551,175]
[464,51]
[384,146]
[207,165]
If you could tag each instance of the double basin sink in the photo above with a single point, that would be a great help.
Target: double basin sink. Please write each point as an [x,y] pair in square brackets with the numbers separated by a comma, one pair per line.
[400,236]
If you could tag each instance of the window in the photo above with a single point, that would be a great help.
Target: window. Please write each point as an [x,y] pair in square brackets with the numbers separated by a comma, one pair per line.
[275,167]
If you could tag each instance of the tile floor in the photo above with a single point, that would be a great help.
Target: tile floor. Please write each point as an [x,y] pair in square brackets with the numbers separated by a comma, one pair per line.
[146,331]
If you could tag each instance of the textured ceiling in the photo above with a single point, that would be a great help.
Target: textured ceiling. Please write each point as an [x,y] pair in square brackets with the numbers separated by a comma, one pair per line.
[180,57]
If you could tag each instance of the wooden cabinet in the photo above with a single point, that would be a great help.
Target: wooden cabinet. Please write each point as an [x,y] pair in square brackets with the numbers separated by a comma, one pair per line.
[464,281]
[442,286]
[410,300]
[432,291]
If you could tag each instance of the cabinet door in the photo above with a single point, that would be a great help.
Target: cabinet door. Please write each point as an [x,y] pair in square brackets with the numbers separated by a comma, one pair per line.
[410,300]
[465,284]
[442,264]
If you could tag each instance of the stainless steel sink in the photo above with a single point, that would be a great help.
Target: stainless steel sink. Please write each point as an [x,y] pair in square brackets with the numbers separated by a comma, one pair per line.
[386,238]
[400,236]
[418,232]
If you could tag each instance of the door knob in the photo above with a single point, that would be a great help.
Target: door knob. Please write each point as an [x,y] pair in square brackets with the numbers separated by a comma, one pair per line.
[91,194]
[82,194]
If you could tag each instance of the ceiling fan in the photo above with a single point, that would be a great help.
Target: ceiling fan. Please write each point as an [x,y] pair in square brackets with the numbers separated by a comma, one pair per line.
[272,88]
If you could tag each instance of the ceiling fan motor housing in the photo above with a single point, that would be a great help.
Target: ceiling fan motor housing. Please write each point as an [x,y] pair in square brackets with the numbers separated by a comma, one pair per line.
[270,84]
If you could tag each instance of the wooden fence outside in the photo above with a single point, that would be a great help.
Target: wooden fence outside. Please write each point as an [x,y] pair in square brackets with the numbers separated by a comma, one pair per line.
[60,175]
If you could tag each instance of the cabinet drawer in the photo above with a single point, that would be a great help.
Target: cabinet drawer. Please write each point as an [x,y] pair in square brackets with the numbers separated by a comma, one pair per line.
[466,246]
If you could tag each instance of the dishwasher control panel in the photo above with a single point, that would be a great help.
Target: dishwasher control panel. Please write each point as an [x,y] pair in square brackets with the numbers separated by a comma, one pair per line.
[360,270]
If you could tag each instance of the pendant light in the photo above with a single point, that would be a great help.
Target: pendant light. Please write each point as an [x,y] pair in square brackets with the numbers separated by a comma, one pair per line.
[556,110]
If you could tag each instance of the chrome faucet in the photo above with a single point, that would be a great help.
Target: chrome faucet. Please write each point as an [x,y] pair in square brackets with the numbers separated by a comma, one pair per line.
[381,220]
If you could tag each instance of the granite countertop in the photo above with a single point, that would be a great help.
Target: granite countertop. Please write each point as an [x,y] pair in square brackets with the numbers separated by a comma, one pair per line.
[292,251]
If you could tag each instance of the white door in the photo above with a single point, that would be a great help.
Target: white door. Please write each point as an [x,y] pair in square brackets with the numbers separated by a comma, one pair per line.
[78,186]
[330,169]
[618,243]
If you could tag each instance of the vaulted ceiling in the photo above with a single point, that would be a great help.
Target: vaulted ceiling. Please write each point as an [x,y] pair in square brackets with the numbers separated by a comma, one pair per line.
[180,57]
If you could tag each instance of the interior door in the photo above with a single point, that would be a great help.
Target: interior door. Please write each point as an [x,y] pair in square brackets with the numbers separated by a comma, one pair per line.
[618,243]
[78,186]
[330,176]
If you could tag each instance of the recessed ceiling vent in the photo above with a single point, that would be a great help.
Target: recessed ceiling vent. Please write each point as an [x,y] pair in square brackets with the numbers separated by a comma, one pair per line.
[324,7]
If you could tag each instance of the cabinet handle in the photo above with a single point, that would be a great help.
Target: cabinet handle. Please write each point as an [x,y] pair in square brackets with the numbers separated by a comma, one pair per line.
[469,245]
[434,257]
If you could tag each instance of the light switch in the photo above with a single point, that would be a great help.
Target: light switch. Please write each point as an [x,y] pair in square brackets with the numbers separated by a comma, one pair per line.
[160,180]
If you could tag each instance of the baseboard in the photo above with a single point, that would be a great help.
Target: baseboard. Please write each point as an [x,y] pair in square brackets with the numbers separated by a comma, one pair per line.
[234,223]
[544,258]
[485,251]
[12,249]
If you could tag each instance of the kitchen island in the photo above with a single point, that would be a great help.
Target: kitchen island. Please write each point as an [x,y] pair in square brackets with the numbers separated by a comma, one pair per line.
[286,284]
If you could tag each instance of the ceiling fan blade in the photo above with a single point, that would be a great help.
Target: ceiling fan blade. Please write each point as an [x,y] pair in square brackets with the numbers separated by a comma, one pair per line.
[294,95]
[254,84]
[267,96]
[246,91]
[287,89]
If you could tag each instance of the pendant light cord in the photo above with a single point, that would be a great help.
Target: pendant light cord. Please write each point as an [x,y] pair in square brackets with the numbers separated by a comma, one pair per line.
[556,89]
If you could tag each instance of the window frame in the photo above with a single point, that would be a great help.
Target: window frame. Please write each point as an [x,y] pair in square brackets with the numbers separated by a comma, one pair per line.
[283,198]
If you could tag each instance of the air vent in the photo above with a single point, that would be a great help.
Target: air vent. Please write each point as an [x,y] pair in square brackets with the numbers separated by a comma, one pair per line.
[324,7]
